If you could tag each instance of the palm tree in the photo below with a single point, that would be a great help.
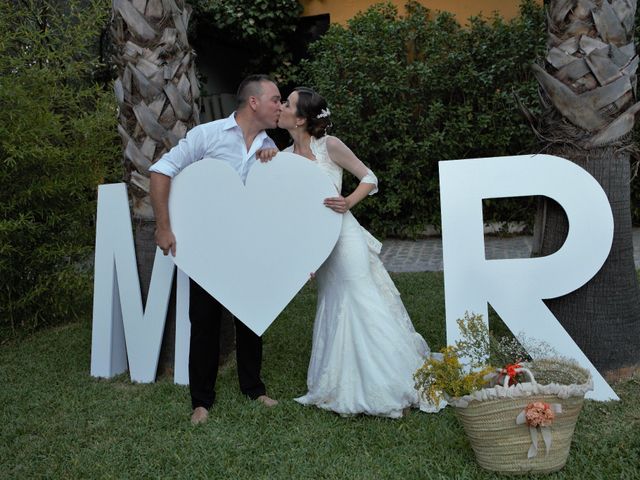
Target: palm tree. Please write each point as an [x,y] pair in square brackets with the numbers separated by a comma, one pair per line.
[156,90]
[157,94]
[588,88]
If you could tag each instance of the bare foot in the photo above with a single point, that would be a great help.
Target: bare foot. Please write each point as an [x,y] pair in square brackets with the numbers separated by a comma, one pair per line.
[267,401]
[199,415]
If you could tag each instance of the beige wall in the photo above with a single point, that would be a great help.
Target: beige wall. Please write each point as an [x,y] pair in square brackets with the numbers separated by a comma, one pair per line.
[342,10]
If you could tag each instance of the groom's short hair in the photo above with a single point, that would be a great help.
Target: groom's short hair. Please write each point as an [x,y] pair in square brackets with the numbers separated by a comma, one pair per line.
[251,87]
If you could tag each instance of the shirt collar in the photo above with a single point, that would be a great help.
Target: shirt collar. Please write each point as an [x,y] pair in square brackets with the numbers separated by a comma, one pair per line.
[230,122]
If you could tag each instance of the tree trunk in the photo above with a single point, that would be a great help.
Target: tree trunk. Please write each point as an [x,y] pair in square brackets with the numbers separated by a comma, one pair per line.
[588,89]
[603,316]
[157,94]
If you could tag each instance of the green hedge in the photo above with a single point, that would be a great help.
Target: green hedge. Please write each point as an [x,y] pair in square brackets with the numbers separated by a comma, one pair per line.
[407,91]
[58,141]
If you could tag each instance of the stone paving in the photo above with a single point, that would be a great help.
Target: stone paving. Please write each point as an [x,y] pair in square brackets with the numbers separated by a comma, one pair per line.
[425,255]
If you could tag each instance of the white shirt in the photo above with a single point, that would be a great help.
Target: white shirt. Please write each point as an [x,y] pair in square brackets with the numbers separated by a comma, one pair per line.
[221,139]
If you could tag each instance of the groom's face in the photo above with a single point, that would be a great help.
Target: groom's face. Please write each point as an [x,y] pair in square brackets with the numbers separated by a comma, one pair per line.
[268,105]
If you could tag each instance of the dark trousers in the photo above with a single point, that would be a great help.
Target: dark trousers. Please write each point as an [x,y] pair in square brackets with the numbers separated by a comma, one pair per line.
[205,313]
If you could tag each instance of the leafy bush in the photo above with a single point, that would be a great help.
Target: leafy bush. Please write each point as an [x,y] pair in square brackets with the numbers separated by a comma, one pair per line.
[57,143]
[408,91]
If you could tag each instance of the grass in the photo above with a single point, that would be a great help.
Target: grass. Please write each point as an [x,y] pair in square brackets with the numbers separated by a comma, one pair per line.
[58,422]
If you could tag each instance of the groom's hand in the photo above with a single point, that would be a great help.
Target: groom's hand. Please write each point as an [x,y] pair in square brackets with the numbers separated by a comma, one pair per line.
[266,154]
[166,241]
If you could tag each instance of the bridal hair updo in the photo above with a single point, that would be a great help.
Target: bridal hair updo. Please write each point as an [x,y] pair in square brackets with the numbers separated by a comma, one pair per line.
[313,107]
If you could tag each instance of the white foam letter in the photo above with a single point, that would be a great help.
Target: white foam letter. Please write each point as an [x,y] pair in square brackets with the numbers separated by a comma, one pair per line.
[515,287]
[120,328]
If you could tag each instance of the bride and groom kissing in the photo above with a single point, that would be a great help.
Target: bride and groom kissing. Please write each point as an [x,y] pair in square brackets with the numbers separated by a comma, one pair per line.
[365,348]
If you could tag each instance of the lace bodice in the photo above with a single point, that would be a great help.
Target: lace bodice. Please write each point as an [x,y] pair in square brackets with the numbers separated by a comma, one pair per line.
[319,150]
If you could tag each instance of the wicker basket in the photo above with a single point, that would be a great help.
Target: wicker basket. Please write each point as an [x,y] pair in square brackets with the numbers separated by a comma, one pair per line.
[501,445]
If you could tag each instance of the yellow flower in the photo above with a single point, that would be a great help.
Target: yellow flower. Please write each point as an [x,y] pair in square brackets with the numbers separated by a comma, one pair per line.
[447,376]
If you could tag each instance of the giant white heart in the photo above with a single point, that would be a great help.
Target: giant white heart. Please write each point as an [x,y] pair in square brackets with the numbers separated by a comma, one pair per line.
[253,246]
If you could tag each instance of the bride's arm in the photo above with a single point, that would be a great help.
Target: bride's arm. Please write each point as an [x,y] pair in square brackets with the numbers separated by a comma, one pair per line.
[344,157]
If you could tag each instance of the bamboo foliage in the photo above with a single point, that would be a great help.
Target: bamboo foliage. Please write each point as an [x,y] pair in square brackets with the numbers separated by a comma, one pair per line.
[590,72]
[156,90]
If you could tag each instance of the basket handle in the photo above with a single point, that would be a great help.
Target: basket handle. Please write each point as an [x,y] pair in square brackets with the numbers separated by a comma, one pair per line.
[505,382]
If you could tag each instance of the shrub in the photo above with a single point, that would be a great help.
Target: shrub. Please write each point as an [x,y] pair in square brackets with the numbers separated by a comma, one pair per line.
[57,143]
[408,91]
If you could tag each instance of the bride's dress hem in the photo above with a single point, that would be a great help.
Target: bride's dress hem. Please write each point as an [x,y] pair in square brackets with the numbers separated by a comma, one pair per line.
[396,413]
[344,412]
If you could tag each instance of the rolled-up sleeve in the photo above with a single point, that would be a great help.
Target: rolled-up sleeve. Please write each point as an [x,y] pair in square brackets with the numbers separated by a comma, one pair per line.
[188,150]
[371,178]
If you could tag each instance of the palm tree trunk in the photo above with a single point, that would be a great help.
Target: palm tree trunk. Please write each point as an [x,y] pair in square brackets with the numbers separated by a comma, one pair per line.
[588,88]
[603,315]
[157,94]
[156,90]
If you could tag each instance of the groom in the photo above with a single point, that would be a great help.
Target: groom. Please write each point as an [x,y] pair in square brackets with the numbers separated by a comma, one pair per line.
[234,140]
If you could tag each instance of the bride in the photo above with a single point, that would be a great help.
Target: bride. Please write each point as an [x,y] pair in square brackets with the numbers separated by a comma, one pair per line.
[365,349]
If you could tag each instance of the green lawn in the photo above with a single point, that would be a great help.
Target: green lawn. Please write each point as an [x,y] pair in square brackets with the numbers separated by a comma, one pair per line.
[58,422]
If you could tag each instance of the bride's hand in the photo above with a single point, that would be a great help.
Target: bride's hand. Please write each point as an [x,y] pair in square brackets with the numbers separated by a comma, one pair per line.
[337,204]
[266,154]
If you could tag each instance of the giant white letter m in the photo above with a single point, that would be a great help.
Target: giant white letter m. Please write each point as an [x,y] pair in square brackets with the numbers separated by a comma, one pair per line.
[121,329]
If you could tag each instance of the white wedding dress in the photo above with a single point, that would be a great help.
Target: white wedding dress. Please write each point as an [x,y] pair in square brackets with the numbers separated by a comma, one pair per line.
[365,349]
